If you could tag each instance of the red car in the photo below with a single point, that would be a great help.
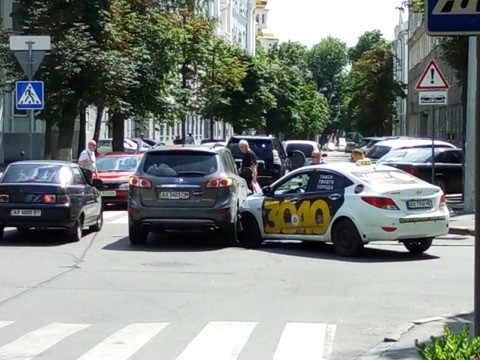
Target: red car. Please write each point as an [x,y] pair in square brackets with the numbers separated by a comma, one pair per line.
[115,170]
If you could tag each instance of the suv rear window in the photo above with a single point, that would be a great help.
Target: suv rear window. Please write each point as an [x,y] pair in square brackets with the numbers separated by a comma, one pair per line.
[180,163]
[261,147]
[304,148]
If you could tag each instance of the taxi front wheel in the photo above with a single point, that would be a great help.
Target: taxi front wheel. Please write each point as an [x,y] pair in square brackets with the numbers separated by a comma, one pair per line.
[346,239]
[418,246]
[250,236]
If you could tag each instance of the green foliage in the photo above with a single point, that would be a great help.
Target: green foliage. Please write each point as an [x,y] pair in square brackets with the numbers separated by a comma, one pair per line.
[366,42]
[450,346]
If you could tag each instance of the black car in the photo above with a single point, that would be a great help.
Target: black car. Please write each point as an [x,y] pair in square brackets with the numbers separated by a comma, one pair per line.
[49,195]
[448,166]
[272,159]
[191,188]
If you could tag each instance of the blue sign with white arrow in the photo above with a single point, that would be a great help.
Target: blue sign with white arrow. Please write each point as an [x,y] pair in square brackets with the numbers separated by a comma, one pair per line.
[29,95]
[453,17]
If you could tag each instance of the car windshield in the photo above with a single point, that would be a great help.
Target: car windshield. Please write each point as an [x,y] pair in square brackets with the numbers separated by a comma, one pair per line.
[305,148]
[180,163]
[117,163]
[383,177]
[38,173]
[261,147]
[377,151]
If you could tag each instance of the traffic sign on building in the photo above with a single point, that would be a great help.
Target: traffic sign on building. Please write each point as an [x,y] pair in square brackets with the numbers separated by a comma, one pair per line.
[432,78]
[453,17]
[29,95]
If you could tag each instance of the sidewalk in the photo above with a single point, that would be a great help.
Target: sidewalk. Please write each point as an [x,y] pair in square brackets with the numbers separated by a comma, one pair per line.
[401,344]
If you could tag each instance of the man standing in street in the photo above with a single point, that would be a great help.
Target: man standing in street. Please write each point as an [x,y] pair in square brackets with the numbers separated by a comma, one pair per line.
[316,158]
[248,171]
[190,139]
[88,161]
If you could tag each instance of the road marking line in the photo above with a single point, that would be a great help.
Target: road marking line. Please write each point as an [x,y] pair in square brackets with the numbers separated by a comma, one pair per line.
[5,323]
[219,340]
[122,220]
[34,343]
[125,342]
[302,341]
[111,214]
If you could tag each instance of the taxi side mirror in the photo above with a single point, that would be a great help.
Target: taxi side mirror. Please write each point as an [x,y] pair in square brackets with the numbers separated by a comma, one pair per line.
[267,190]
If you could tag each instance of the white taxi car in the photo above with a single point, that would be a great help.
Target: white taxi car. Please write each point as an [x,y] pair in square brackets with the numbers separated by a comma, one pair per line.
[349,204]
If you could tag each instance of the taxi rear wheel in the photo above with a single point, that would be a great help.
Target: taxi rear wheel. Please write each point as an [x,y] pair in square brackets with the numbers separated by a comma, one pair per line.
[418,246]
[250,236]
[346,239]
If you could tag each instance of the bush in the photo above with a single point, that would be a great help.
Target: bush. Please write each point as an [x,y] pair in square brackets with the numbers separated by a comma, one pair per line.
[451,346]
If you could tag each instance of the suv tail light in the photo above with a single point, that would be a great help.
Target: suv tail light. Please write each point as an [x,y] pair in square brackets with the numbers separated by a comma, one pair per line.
[138,181]
[380,202]
[276,158]
[219,183]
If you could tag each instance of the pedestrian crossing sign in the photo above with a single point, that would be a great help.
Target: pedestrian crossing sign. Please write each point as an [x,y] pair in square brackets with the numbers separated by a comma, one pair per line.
[29,95]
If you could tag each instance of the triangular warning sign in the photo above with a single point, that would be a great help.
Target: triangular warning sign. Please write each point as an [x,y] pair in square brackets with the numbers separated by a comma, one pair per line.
[432,78]
[29,96]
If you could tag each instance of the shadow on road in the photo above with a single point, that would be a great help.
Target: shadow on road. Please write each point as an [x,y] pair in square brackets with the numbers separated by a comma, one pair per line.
[13,237]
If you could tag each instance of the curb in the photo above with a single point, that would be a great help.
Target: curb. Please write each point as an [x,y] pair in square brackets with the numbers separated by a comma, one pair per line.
[378,350]
[461,230]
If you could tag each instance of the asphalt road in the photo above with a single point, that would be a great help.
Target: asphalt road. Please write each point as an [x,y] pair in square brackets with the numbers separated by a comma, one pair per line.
[183,296]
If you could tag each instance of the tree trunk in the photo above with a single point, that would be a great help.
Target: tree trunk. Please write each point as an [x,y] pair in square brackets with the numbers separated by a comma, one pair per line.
[118,129]
[83,132]
[65,133]
[98,122]
[48,140]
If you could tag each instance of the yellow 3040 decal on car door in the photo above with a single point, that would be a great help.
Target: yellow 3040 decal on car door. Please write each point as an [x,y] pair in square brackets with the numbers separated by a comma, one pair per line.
[305,217]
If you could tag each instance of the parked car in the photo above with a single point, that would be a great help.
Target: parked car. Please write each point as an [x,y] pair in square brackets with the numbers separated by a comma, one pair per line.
[185,188]
[349,204]
[214,141]
[105,146]
[272,159]
[306,147]
[47,194]
[383,147]
[342,144]
[448,165]
[147,144]
[114,171]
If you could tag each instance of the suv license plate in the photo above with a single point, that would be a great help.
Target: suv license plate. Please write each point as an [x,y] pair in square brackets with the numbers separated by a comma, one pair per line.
[25,212]
[174,195]
[419,204]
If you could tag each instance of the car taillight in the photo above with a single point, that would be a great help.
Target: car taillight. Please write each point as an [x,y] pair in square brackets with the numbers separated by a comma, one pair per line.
[380,202]
[138,181]
[443,201]
[59,199]
[219,183]
[276,158]
[412,170]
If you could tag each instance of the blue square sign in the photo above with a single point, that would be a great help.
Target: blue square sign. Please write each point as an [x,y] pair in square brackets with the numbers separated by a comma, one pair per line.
[29,95]
[448,17]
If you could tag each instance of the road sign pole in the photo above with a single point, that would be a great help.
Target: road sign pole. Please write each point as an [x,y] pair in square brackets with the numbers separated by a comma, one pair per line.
[432,114]
[32,120]
[476,290]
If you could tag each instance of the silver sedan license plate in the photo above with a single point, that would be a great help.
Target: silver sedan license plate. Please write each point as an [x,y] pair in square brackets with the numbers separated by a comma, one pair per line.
[174,195]
[25,212]
[419,204]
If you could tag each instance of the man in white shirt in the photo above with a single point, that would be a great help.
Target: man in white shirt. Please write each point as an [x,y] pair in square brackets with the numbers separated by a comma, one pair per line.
[140,143]
[88,161]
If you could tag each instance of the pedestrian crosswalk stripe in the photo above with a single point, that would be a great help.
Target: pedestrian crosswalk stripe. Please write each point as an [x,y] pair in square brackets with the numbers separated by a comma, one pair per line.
[5,323]
[302,341]
[125,342]
[456,7]
[219,340]
[36,342]
[29,96]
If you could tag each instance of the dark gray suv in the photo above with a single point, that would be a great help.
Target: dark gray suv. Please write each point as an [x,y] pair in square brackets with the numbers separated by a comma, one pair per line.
[185,188]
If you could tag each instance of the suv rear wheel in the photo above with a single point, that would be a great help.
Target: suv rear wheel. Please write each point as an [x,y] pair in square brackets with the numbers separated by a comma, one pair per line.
[137,235]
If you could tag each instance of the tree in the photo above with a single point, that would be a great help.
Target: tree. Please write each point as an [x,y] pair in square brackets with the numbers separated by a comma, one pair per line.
[372,91]
[366,42]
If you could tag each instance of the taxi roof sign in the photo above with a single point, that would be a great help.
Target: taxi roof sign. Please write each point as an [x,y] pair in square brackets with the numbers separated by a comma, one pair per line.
[432,78]
[363,162]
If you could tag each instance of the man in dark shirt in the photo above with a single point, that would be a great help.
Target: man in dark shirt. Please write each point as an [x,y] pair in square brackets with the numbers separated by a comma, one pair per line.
[249,164]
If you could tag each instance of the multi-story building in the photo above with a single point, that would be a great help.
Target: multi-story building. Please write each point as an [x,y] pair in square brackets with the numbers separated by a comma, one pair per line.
[237,22]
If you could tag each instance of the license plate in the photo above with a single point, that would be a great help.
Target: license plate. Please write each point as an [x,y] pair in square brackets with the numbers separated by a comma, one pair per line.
[419,204]
[174,195]
[25,212]
[108,193]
